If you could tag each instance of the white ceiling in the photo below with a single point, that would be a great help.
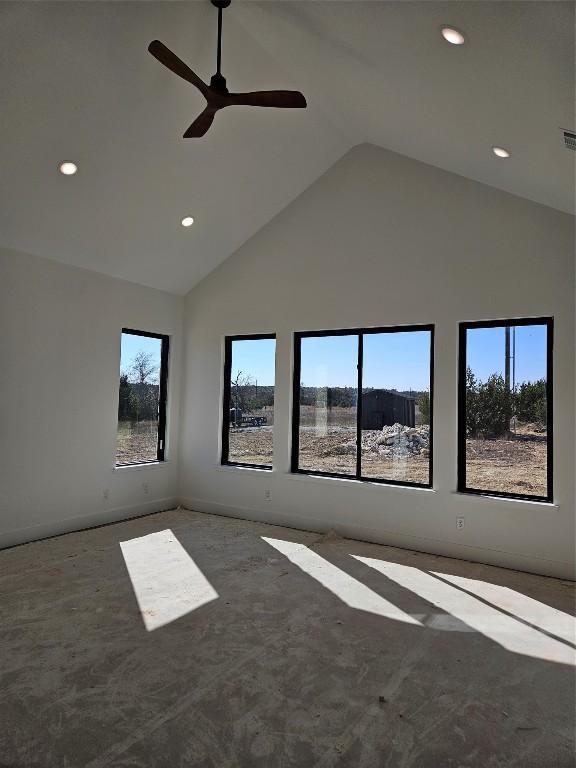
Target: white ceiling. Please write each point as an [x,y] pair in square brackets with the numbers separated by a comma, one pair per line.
[77,83]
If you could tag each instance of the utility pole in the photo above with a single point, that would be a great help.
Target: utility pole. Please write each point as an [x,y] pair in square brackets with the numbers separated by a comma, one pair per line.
[507,377]
[507,358]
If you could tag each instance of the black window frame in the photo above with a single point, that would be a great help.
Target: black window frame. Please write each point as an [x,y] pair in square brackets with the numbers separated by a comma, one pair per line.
[360,333]
[162,396]
[464,327]
[226,399]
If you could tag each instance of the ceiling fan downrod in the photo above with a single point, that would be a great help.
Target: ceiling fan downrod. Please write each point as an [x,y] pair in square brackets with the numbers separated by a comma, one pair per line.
[218,81]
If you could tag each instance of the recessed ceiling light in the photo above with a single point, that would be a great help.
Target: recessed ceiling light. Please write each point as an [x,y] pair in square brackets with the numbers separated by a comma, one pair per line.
[187,221]
[68,169]
[453,35]
[500,152]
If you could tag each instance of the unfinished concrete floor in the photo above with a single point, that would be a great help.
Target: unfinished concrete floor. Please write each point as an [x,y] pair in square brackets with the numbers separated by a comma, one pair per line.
[280,669]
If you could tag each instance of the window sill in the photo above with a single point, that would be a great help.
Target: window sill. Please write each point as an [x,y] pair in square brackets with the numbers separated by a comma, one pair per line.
[144,465]
[353,481]
[233,467]
[495,497]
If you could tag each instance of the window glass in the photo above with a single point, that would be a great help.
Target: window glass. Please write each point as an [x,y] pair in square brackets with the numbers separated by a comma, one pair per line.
[396,406]
[142,398]
[248,431]
[505,429]
[328,404]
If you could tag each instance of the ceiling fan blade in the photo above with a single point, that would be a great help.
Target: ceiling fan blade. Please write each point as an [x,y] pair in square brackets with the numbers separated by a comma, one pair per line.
[281,99]
[201,124]
[176,65]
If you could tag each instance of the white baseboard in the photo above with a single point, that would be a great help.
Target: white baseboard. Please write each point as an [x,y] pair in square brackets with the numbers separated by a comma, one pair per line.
[501,558]
[81,522]
[504,559]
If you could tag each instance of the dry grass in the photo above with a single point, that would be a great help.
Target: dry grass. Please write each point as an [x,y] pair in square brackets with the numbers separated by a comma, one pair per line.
[136,442]
[332,452]
[334,417]
[511,466]
[335,452]
[251,445]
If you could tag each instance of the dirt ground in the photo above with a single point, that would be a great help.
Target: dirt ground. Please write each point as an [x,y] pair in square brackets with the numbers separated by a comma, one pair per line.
[512,466]
[136,442]
[251,445]
[334,452]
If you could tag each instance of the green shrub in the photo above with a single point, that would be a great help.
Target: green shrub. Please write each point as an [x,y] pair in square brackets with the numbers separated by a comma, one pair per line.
[494,407]
[530,402]
[490,405]
[471,404]
[424,407]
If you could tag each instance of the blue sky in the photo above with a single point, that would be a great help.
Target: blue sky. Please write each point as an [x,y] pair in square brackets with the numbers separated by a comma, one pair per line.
[485,347]
[255,358]
[399,360]
[392,360]
[131,345]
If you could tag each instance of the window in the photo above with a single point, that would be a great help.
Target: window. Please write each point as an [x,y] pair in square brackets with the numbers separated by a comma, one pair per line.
[505,408]
[141,435]
[248,403]
[385,435]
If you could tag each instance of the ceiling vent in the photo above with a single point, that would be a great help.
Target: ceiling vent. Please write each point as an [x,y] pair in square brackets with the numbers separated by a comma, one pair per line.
[570,140]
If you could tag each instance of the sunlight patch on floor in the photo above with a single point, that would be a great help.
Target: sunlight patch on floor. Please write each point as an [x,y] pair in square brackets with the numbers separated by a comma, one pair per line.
[526,608]
[506,631]
[348,589]
[167,582]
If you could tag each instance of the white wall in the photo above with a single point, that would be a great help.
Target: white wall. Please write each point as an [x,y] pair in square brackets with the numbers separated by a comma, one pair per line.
[59,364]
[381,239]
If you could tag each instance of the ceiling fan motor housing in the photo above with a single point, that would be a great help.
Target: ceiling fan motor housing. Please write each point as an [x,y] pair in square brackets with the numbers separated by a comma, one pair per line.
[218,82]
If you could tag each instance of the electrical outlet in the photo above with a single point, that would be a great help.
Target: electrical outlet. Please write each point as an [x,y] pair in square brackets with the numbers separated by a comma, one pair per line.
[459,523]
[267,494]
[145,487]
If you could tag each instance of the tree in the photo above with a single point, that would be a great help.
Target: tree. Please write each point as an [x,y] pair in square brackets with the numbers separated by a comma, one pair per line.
[494,407]
[530,402]
[143,367]
[489,404]
[471,404]
[125,399]
[243,392]
[144,387]
[424,407]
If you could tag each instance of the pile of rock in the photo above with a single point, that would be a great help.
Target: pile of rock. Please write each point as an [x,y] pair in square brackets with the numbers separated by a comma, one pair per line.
[397,441]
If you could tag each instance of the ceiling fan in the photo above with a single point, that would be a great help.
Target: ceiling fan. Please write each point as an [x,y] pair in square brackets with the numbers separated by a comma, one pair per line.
[216,94]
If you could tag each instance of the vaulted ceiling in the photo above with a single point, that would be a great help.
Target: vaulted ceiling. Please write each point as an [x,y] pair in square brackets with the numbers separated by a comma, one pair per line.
[77,83]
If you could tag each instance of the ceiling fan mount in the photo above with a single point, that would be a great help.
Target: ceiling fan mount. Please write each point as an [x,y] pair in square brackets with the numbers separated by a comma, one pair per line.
[218,81]
[217,94]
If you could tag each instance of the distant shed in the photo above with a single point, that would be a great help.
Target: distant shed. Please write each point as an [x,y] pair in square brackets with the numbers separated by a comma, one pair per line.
[381,408]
